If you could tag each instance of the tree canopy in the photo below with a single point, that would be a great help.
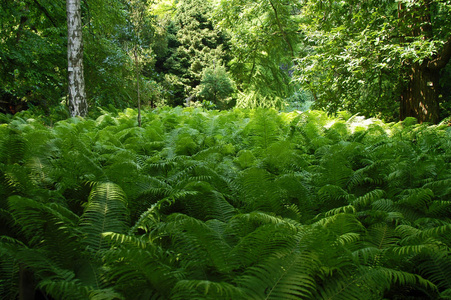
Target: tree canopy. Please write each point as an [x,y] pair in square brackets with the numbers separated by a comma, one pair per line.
[388,59]
[376,57]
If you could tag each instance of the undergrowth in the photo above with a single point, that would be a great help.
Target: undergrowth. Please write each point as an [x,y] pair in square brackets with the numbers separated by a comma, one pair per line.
[241,204]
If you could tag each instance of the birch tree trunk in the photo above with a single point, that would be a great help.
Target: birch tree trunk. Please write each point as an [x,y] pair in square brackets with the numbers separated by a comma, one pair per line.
[76,81]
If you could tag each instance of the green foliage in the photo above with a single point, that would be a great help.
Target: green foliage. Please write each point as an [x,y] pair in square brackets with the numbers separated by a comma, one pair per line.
[357,57]
[216,86]
[264,41]
[192,45]
[32,56]
[239,204]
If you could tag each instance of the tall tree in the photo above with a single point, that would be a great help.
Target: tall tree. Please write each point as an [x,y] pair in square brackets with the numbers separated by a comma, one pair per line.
[216,85]
[371,57]
[32,63]
[78,105]
[199,44]
[420,97]
[264,42]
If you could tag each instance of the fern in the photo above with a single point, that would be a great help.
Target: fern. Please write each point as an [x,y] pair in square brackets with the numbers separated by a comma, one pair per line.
[240,204]
[198,242]
[9,273]
[287,277]
[205,289]
[264,129]
[104,212]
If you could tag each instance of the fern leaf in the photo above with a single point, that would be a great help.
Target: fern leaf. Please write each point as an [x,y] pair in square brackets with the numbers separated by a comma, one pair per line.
[148,273]
[437,268]
[198,243]
[288,277]
[205,289]
[9,276]
[382,236]
[105,211]
[368,198]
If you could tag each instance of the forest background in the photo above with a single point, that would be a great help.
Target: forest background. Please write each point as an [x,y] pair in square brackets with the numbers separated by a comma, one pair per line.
[246,193]
[386,59]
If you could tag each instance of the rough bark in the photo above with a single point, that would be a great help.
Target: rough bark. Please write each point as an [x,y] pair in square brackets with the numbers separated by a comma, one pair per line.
[76,81]
[420,97]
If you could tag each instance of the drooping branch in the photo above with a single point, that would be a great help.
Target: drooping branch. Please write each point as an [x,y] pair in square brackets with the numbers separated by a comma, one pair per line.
[284,34]
[443,58]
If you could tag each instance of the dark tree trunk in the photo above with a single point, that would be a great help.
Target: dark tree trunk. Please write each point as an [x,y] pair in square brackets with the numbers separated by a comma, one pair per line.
[26,284]
[420,98]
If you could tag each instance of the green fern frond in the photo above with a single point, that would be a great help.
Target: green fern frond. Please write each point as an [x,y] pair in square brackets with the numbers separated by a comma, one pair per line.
[348,209]
[446,294]
[105,211]
[13,147]
[340,224]
[280,156]
[410,250]
[287,277]
[352,284]
[148,219]
[9,276]
[206,203]
[349,238]
[142,273]
[258,191]
[335,172]
[436,235]
[385,205]
[206,289]
[407,231]
[368,283]
[41,170]
[439,209]
[105,294]
[198,243]
[440,187]
[261,235]
[437,232]
[263,129]
[368,198]
[64,289]
[332,196]
[53,279]
[418,199]
[16,181]
[35,220]
[382,236]
[132,241]
[405,278]
[250,221]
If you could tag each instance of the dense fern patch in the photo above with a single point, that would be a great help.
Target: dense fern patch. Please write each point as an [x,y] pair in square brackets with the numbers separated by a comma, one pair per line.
[241,204]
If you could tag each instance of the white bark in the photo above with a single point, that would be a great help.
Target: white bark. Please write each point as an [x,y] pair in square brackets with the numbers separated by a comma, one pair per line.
[76,81]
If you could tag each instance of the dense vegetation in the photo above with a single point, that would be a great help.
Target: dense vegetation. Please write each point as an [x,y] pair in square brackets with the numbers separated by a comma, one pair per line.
[239,204]
[384,59]
[223,184]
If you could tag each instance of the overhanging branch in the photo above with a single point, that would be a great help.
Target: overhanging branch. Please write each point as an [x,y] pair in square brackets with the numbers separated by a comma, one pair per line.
[442,60]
